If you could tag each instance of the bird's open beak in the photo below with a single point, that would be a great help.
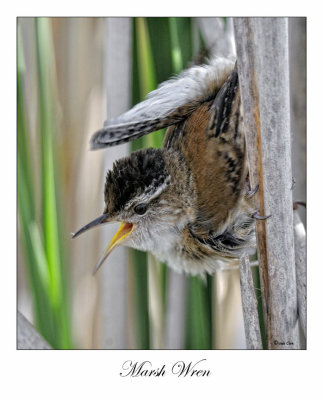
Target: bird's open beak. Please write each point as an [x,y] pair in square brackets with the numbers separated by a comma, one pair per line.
[124,230]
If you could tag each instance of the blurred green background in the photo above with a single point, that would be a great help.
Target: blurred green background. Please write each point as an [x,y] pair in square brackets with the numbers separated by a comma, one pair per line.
[71,74]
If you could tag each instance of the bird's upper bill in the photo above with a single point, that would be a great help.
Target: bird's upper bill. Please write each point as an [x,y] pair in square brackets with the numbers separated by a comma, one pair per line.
[123,232]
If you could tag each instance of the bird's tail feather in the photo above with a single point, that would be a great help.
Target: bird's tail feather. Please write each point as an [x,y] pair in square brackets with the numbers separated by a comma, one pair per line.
[170,103]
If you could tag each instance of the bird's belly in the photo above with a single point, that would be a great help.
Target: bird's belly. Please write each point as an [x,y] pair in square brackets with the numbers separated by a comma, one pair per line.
[176,259]
[190,257]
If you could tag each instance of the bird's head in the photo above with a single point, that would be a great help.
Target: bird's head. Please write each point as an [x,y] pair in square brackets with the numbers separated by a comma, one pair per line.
[144,193]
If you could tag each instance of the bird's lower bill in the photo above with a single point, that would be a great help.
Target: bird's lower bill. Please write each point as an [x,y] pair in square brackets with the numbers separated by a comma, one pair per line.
[123,232]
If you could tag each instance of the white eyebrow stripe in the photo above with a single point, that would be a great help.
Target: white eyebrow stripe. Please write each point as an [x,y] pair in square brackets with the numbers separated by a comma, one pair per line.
[150,193]
[159,189]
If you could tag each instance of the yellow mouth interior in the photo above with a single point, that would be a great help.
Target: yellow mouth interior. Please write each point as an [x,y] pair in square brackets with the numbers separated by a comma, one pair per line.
[124,230]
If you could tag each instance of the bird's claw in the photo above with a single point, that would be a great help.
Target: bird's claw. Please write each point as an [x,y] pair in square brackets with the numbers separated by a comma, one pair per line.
[252,192]
[259,217]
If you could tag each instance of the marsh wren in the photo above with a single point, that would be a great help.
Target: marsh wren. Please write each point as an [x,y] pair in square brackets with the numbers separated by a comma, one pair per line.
[188,203]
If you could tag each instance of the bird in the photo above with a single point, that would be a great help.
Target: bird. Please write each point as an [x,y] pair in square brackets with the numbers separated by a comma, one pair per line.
[189,203]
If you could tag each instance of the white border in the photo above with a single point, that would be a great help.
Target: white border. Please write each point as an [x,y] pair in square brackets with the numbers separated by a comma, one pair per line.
[95,374]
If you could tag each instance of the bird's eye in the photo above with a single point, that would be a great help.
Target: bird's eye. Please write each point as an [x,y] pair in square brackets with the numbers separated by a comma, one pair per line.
[141,208]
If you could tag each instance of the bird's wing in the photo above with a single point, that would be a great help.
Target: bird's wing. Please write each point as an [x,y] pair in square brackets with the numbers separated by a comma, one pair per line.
[169,104]
[212,143]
